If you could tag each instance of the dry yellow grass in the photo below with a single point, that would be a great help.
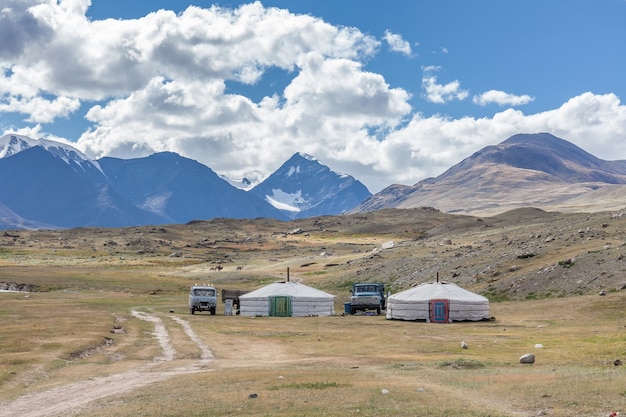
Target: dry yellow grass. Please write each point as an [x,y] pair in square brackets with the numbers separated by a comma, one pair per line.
[323,366]
[82,347]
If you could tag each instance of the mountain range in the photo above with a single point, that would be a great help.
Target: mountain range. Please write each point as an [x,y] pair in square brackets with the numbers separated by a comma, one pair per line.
[48,184]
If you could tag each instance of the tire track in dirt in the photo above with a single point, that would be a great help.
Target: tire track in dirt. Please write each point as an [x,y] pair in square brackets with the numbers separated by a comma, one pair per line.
[160,333]
[206,355]
[69,398]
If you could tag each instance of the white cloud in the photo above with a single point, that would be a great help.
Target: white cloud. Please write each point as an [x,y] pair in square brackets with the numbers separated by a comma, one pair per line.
[442,93]
[501,98]
[396,43]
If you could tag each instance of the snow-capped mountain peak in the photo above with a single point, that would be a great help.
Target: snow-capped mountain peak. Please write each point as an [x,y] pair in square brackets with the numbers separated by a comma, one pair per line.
[12,144]
[307,156]
[303,187]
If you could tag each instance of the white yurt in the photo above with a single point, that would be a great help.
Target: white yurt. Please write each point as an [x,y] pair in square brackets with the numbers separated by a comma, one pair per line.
[438,302]
[287,299]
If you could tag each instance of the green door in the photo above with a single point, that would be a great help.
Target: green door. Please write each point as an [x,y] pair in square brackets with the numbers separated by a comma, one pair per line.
[280,306]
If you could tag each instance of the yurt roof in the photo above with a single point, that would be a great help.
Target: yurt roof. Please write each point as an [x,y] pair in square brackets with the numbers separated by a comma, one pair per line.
[438,290]
[294,289]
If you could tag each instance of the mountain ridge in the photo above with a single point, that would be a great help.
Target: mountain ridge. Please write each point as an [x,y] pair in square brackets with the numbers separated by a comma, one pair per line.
[55,186]
[526,170]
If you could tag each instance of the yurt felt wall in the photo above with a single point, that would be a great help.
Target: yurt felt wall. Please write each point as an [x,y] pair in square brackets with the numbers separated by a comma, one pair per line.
[434,301]
[288,299]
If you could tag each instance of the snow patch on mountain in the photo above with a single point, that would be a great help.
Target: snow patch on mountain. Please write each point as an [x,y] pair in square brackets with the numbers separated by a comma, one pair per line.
[156,203]
[293,170]
[245,183]
[286,201]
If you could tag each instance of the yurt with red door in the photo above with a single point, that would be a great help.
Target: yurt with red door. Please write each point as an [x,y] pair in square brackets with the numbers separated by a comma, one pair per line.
[437,302]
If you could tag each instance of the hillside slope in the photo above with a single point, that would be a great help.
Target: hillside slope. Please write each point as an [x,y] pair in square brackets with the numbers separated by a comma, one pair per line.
[530,170]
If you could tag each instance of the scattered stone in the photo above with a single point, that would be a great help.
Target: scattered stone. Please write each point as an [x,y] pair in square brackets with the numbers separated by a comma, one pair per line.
[385,391]
[527,358]
[253,395]
[463,345]
[388,245]
[617,362]
[602,292]
[538,346]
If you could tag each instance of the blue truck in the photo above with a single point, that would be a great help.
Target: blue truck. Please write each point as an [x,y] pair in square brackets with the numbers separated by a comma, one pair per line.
[368,296]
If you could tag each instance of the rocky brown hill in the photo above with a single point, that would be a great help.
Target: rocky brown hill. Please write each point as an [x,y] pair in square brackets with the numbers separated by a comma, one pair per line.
[526,170]
[522,254]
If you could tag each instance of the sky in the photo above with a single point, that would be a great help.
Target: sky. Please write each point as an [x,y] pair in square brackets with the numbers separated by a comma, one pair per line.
[388,92]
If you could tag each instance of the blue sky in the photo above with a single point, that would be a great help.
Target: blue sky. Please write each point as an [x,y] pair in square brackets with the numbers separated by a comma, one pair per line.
[389,93]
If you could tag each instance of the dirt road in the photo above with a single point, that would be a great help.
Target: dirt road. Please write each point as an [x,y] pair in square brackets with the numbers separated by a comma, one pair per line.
[69,398]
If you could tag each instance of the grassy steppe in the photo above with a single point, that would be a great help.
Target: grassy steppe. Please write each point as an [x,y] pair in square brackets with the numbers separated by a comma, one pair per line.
[318,366]
[79,335]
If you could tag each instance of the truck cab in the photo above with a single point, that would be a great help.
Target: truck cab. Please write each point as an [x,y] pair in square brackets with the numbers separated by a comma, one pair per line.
[367,296]
[202,298]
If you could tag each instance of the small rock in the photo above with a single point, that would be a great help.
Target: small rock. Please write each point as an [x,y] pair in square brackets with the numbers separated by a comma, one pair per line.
[385,391]
[538,346]
[388,245]
[253,395]
[617,362]
[527,358]
[463,345]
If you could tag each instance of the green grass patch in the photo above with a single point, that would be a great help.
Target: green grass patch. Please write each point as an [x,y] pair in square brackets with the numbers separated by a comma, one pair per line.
[308,385]
[461,364]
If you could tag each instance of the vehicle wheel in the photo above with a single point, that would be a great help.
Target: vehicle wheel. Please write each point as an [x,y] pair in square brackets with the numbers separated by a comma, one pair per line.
[191,310]
[213,311]
[378,311]
[352,310]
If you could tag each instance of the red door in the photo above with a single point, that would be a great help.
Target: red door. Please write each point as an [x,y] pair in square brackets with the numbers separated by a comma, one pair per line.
[439,311]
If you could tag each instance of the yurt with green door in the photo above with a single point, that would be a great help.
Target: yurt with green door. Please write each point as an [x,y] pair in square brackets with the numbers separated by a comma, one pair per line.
[287,299]
[437,302]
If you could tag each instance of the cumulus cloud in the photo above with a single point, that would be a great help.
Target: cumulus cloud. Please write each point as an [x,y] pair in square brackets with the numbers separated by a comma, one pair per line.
[396,43]
[501,98]
[442,93]
[40,109]
[19,28]
[437,93]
